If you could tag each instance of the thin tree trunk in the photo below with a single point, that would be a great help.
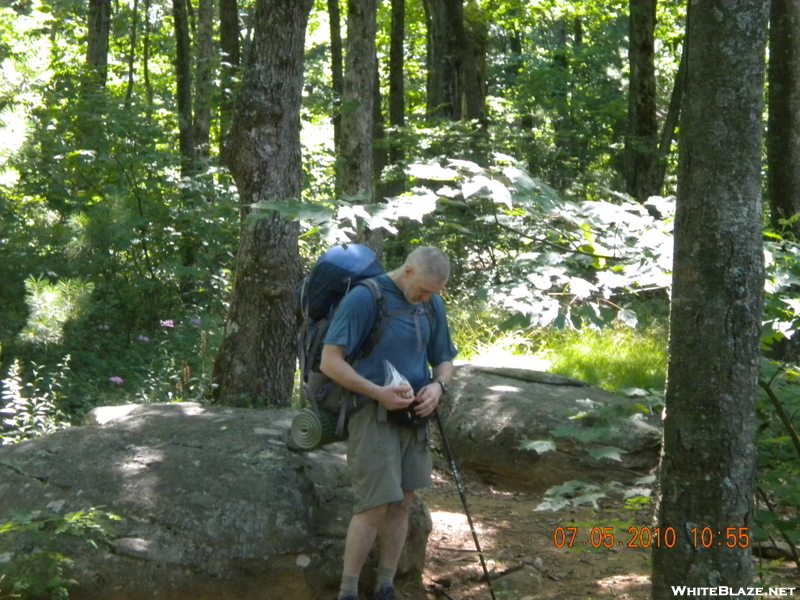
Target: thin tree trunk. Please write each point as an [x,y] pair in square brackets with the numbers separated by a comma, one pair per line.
[183,75]
[443,61]
[203,80]
[783,133]
[380,154]
[397,96]
[641,144]
[337,72]
[148,85]
[229,44]
[132,54]
[99,27]
[671,122]
[709,457]
[256,362]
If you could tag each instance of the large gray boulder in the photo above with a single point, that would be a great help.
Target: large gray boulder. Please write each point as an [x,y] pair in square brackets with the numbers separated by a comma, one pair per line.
[491,410]
[215,505]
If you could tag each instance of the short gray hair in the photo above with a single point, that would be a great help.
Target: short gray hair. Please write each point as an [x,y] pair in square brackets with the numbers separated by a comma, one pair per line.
[431,262]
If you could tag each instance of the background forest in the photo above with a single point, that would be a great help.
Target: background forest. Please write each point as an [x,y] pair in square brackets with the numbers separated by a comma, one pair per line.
[533,141]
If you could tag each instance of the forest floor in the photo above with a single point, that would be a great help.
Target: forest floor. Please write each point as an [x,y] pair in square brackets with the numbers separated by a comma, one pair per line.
[522,552]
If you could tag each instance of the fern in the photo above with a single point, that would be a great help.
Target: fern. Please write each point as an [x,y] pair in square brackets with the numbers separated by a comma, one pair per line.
[31,409]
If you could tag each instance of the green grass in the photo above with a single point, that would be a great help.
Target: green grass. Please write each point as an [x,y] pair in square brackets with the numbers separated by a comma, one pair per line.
[613,358]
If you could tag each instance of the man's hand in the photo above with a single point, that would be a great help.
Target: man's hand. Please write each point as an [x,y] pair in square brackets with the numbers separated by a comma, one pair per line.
[428,399]
[395,397]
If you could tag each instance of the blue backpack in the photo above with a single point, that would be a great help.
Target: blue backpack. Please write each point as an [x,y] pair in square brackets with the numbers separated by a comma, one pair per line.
[327,404]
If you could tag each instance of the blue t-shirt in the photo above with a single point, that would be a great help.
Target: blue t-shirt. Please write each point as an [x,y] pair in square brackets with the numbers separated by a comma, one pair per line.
[407,342]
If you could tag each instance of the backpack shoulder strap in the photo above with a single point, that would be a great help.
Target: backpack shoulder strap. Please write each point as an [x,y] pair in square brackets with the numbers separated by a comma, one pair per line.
[380,316]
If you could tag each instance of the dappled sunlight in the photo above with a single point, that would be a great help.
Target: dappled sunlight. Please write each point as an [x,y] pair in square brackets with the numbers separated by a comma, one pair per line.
[620,586]
[519,548]
[498,357]
[51,306]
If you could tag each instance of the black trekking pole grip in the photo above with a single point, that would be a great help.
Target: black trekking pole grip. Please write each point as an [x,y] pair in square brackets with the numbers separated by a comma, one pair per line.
[463,495]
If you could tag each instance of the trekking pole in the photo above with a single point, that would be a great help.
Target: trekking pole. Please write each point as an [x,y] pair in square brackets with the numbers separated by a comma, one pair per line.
[463,495]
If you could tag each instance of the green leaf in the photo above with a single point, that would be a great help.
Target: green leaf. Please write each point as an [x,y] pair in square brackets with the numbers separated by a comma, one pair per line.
[609,452]
[466,165]
[564,431]
[637,491]
[432,172]
[628,317]
[294,210]
[647,480]
[538,446]
[589,499]
[566,489]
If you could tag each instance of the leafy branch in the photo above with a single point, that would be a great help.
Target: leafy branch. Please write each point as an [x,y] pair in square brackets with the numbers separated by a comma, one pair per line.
[782,414]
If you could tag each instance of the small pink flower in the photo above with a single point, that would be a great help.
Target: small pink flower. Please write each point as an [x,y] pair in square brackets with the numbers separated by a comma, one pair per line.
[195,322]
[168,323]
[116,380]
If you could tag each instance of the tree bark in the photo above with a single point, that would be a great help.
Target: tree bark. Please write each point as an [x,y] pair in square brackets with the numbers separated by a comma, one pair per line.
[229,44]
[148,85]
[471,80]
[204,47]
[337,71]
[397,96]
[783,133]
[183,76]
[671,121]
[443,85]
[641,144]
[132,54]
[99,27]
[358,105]
[709,456]
[256,362]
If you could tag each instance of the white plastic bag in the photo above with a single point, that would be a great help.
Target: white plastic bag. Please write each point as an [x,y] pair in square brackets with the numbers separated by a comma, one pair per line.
[393,377]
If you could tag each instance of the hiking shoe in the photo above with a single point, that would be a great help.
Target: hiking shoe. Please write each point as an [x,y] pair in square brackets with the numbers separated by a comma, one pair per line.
[385,593]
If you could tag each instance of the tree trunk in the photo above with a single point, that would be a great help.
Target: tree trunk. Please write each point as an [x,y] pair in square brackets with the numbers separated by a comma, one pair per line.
[256,362]
[183,75]
[443,85]
[229,44]
[380,153]
[671,121]
[397,96]
[783,133]
[337,72]
[563,125]
[99,27]
[204,79]
[132,54]
[709,457]
[641,144]
[358,108]
[471,81]
[148,85]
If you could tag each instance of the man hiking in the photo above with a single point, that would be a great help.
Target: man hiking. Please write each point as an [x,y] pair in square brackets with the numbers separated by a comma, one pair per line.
[389,460]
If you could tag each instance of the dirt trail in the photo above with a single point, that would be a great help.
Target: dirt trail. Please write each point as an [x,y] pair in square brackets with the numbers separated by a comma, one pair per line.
[519,541]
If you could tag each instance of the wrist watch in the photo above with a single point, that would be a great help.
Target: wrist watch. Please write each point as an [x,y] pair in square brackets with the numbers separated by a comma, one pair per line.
[443,385]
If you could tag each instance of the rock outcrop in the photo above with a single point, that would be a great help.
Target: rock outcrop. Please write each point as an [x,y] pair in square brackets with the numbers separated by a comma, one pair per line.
[215,505]
[492,410]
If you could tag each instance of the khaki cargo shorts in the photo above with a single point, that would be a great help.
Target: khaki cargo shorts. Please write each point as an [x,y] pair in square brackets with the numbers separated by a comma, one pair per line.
[385,460]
